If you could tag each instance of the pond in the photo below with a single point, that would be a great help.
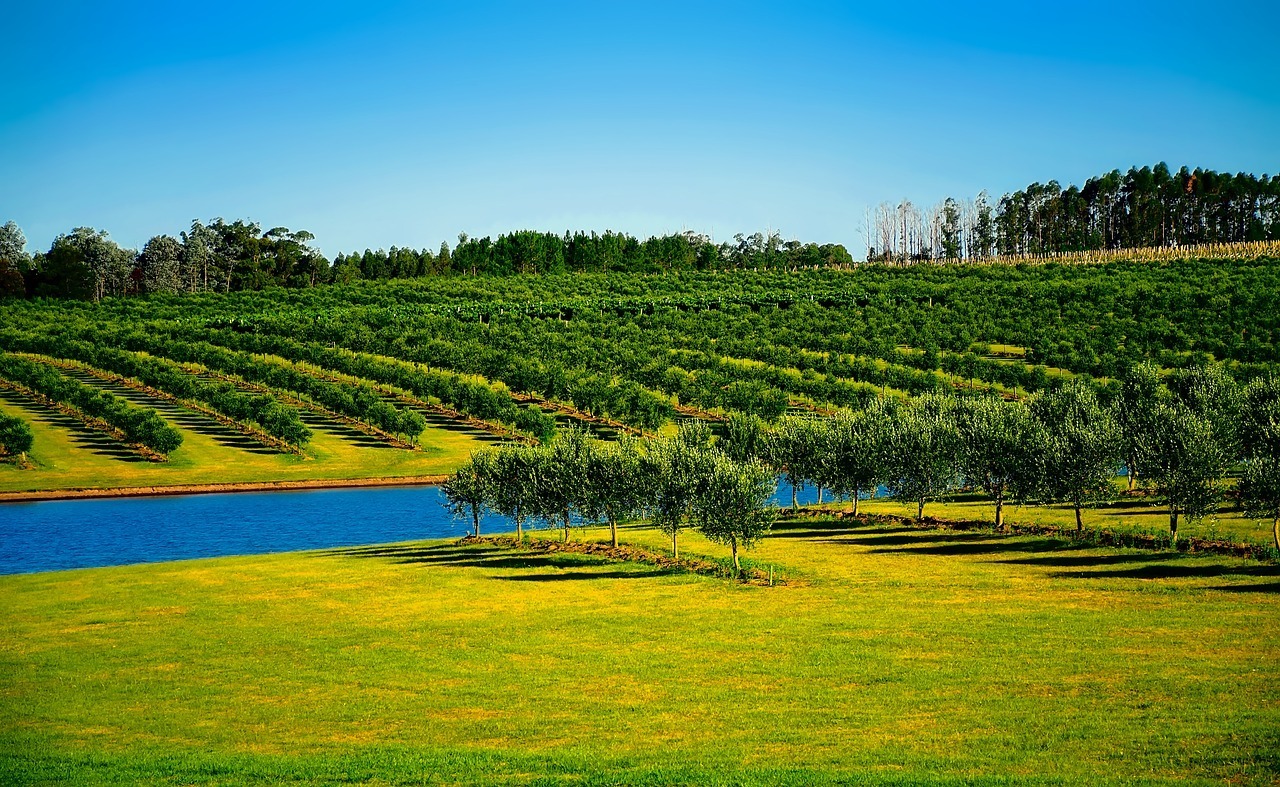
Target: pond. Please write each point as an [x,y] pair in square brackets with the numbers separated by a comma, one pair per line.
[62,534]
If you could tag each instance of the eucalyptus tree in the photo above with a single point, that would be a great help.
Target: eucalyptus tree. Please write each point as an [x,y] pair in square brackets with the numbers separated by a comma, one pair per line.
[470,490]
[677,468]
[1260,438]
[160,265]
[1140,393]
[615,485]
[732,505]
[516,476]
[15,263]
[924,449]
[860,444]
[1082,445]
[1003,450]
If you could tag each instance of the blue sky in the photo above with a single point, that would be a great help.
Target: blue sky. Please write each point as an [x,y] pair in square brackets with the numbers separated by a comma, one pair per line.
[413,122]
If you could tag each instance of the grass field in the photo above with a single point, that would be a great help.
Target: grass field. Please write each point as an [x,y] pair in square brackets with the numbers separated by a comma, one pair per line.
[1147,515]
[894,655]
[67,458]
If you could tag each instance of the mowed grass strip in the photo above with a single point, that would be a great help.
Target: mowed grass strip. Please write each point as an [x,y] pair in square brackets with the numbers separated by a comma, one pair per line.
[907,656]
[213,454]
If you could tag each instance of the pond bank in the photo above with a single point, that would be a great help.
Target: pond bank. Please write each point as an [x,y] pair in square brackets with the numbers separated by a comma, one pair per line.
[201,489]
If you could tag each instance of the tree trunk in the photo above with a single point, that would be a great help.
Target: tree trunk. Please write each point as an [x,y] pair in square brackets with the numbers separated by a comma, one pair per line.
[1275,531]
[920,511]
[1079,521]
[1173,525]
[475,520]
[794,504]
[1000,512]
[1132,477]
[566,525]
[737,569]
[675,547]
[519,529]
[856,495]
[613,531]
[819,495]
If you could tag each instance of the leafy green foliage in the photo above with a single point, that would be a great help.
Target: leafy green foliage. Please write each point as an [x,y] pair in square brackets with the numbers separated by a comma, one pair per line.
[138,424]
[1082,445]
[15,436]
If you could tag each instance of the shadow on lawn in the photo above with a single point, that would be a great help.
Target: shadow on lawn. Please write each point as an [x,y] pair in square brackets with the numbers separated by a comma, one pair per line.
[1178,571]
[462,556]
[579,575]
[1043,552]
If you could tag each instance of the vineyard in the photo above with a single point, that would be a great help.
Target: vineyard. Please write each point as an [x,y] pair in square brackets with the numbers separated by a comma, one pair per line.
[509,358]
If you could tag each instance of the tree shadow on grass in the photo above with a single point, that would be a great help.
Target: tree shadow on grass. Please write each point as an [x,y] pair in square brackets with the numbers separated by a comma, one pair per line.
[1068,561]
[1177,571]
[581,575]
[988,547]
[1260,587]
[465,556]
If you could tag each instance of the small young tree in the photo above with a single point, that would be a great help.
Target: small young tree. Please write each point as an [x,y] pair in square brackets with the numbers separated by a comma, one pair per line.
[1184,459]
[732,507]
[563,484]
[615,485]
[16,438]
[1260,439]
[860,444]
[744,437]
[1002,450]
[1208,390]
[677,468]
[923,450]
[1140,393]
[1083,445]
[470,489]
[793,453]
[516,473]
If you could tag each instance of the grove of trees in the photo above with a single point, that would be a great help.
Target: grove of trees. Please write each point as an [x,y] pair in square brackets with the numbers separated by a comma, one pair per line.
[1144,207]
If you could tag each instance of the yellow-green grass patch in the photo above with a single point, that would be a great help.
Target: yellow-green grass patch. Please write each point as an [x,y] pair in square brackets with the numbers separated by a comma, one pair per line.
[906,655]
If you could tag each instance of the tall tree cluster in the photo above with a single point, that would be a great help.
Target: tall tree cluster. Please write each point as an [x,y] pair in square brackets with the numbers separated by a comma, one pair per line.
[221,256]
[1151,206]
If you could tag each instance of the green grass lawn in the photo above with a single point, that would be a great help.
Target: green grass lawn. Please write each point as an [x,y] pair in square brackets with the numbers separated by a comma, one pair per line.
[894,655]
[211,455]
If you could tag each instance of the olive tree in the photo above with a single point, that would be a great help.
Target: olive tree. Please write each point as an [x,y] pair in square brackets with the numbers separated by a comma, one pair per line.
[562,486]
[1002,450]
[1260,439]
[859,449]
[16,437]
[793,451]
[1184,459]
[517,471]
[470,489]
[924,447]
[732,505]
[1082,445]
[1140,392]
[677,468]
[615,485]
[744,438]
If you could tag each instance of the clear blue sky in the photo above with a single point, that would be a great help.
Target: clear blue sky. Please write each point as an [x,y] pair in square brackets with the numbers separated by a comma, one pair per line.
[411,123]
